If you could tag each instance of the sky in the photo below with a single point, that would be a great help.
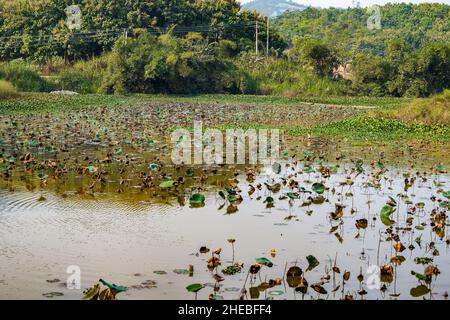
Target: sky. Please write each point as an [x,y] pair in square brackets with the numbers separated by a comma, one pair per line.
[347,3]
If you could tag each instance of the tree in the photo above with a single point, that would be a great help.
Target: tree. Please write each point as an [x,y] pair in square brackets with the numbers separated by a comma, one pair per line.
[422,72]
[37,29]
[434,66]
[371,75]
[347,28]
[316,55]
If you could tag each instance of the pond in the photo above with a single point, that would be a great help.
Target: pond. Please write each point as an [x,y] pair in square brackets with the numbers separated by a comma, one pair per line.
[333,220]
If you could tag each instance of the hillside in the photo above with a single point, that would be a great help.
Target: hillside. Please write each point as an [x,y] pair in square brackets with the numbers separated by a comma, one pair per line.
[273,8]
[347,28]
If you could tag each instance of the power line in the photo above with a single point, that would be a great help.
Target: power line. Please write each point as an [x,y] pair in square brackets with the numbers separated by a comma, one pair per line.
[182,29]
[33,41]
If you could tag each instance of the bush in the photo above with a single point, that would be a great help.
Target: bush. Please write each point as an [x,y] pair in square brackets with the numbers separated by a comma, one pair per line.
[85,76]
[371,75]
[248,84]
[77,81]
[7,90]
[94,70]
[316,55]
[23,77]
[52,65]
[166,64]
[286,78]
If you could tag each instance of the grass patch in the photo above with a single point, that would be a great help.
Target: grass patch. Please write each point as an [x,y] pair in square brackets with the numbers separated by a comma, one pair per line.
[43,102]
[23,77]
[434,110]
[74,80]
[7,90]
[53,103]
[366,127]
[279,100]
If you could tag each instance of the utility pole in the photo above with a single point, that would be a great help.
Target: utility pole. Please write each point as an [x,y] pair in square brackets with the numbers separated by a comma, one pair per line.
[268,24]
[257,48]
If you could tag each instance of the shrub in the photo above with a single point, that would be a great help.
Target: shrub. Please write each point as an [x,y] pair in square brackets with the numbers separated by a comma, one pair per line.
[85,76]
[23,77]
[7,90]
[53,65]
[94,70]
[371,75]
[75,80]
[287,78]
[248,84]
[318,56]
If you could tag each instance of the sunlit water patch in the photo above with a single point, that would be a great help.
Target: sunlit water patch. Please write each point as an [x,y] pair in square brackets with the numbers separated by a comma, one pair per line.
[128,238]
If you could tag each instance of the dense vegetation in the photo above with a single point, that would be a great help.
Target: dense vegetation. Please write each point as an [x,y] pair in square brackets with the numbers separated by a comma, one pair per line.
[208,46]
[409,55]
[38,28]
[347,29]
[168,64]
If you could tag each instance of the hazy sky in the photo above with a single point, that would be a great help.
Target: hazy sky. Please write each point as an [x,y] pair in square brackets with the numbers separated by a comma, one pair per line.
[347,3]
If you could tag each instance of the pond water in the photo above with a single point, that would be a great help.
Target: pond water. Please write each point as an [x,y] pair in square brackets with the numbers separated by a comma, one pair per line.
[74,194]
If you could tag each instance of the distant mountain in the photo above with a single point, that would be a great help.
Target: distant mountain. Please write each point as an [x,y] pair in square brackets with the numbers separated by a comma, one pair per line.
[273,8]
